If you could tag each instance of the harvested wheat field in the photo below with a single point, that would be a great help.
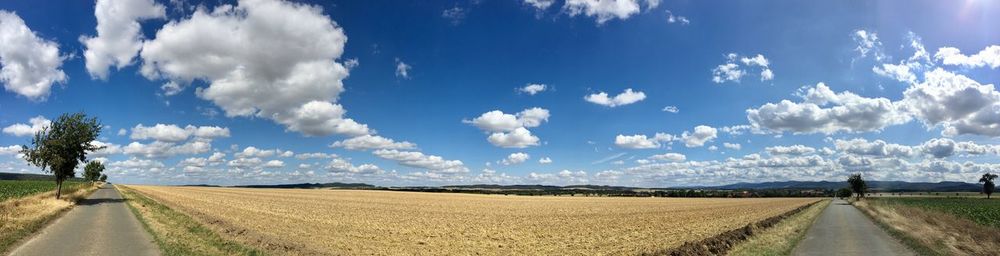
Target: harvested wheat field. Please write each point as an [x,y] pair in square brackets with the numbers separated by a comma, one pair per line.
[292,221]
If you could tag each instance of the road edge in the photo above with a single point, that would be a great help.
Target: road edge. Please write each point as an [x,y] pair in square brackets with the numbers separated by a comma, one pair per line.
[40,225]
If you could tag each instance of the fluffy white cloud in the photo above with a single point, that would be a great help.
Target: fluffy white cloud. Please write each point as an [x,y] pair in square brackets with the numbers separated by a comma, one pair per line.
[701,134]
[295,82]
[119,35]
[30,64]
[10,150]
[498,121]
[733,146]
[174,133]
[605,10]
[420,160]
[670,157]
[989,57]
[252,151]
[274,164]
[877,148]
[366,142]
[540,4]
[640,141]
[216,157]
[338,165]
[304,156]
[106,150]
[516,158]
[518,138]
[510,131]
[790,150]
[959,104]
[137,164]
[533,89]
[827,112]
[626,97]
[34,125]
[732,71]
[545,160]
[160,149]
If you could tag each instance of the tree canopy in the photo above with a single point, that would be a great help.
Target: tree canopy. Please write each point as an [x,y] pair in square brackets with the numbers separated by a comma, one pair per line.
[857,185]
[988,186]
[92,171]
[63,145]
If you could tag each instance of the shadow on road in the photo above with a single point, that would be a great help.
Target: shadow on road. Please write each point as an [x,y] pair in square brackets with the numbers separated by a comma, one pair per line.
[99,201]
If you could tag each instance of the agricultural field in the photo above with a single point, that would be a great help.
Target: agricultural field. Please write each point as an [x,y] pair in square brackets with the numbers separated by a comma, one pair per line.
[10,189]
[939,226]
[980,210]
[294,221]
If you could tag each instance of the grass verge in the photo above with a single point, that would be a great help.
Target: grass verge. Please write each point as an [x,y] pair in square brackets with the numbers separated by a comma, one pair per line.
[177,233]
[721,244]
[781,238]
[929,231]
[23,216]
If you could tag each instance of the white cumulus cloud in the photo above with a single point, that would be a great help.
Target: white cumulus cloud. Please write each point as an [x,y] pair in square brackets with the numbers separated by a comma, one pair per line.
[29,65]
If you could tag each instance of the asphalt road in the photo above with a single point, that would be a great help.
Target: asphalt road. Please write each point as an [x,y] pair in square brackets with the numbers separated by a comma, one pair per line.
[844,230]
[99,225]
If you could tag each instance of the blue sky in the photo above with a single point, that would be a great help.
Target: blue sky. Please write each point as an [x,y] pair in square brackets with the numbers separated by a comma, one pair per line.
[897,90]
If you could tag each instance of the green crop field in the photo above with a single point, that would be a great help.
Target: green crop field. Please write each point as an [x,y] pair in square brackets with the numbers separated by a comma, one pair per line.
[982,211]
[21,188]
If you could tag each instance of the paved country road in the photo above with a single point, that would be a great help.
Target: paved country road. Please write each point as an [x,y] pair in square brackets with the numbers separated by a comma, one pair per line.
[99,225]
[844,230]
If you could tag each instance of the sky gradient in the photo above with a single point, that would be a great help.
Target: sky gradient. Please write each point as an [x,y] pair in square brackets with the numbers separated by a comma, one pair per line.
[639,93]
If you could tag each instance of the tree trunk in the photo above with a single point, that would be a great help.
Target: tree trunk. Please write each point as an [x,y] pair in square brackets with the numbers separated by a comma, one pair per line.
[58,189]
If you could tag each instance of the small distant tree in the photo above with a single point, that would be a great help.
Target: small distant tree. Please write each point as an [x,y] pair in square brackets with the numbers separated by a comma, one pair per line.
[92,171]
[988,186]
[844,193]
[61,146]
[104,177]
[857,185]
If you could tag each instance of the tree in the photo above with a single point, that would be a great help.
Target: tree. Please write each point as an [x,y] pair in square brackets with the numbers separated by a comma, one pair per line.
[92,171]
[61,146]
[104,177]
[857,185]
[988,185]
[844,193]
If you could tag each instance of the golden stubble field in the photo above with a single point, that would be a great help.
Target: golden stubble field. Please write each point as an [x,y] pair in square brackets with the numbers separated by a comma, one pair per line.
[293,221]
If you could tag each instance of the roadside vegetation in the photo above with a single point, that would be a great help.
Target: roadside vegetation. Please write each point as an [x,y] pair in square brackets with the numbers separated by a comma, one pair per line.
[781,238]
[941,225]
[177,233]
[28,205]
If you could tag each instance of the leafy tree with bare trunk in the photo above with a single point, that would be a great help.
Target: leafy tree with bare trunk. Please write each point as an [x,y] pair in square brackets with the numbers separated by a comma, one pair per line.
[857,185]
[844,193]
[104,177]
[63,145]
[988,185]
[92,171]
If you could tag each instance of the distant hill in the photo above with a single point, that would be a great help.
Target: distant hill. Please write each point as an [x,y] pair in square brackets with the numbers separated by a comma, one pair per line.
[29,176]
[886,186]
[313,185]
